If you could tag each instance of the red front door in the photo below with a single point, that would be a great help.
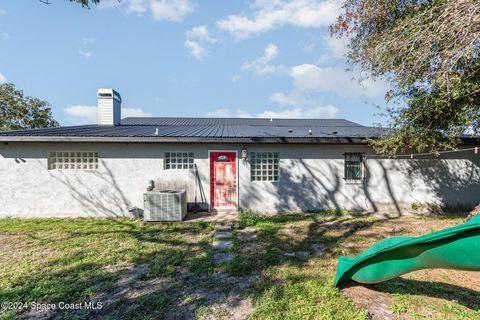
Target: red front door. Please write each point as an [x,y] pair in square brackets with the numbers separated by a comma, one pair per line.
[223,180]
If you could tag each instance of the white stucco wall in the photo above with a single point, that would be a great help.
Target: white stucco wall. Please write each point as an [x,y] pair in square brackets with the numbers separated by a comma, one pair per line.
[311,178]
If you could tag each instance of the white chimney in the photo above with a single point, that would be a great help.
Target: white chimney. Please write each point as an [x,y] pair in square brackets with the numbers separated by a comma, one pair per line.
[109,107]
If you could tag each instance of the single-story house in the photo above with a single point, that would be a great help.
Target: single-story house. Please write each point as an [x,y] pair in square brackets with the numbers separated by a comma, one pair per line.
[267,165]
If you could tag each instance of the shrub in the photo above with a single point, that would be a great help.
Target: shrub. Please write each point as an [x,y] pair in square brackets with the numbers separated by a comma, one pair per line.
[249,218]
[338,212]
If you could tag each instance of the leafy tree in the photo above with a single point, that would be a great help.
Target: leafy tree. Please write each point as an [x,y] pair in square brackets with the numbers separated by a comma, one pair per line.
[429,50]
[22,112]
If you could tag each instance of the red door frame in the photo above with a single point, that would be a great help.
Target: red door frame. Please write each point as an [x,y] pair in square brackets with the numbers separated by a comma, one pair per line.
[233,156]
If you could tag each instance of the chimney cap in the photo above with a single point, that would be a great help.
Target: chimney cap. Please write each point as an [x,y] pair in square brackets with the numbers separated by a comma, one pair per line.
[108,93]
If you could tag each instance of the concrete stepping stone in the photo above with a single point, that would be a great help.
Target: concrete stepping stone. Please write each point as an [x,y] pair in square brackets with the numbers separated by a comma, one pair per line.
[303,255]
[222,257]
[329,223]
[222,244]
[349,245]
[223,235]
[220,227]
[247,230]
[246,234]
[320,248]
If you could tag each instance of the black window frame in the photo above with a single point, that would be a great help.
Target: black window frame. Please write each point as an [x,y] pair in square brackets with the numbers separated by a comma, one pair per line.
[350,166]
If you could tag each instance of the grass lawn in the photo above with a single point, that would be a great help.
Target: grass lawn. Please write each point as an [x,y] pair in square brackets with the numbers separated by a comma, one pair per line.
[158,271]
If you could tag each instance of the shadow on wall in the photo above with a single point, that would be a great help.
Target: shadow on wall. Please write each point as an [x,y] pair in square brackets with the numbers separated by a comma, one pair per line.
[200,202]
[190,181]
[455,183]
[110,202]
[305,187]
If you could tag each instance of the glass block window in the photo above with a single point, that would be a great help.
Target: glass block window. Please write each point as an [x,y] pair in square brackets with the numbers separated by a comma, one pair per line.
[72,160]
[264,166]
[178,160]
[354,166]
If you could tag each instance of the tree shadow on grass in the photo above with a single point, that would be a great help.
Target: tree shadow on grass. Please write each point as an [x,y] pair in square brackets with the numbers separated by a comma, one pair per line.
[180,277]
[467,297]
[76,273]
[345,229]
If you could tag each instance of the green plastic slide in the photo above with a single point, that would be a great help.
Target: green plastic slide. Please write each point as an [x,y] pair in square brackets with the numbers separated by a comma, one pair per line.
[452,248]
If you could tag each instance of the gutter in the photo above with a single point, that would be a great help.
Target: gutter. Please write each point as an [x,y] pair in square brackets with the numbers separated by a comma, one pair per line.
[246,140]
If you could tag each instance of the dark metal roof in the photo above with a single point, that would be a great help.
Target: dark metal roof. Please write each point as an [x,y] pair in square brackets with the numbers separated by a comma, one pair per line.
[241,130]
[268,122]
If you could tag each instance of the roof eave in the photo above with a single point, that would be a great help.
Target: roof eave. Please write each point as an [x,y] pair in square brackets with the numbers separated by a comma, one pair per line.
[249,140]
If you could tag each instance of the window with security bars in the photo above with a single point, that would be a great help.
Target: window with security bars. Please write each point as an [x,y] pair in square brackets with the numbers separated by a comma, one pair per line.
[72,160]
[354,166]
[178,160]
[264,166]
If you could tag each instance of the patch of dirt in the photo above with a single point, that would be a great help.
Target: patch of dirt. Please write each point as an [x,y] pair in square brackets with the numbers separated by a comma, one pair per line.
[221,296]
[475,211]
[20,247]
[251,248]
[205,296]
[376,303]
[127,288]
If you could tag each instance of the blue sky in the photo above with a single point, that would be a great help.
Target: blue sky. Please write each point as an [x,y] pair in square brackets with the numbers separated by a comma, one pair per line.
[184,58]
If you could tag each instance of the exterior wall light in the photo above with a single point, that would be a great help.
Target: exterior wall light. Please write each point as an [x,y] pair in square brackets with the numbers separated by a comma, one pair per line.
[244,154]
[151,185]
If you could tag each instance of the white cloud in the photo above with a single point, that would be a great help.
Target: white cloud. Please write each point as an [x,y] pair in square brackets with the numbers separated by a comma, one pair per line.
[86,48]
[136,6]
[337,46]
[134,112]
[87,54]
[235,77]
[302,107]
[316,112]
[197,39]
[87,41]
[293,99]
[2,79]
[328,111]
[84,114]
[309,46]
[243,114]
[196,49]
[81,114]
[108,4]
[226,113]
[171,10]
[309,77]
[268,15]
[336,49]
[4,35]
[200,33]
[261,66]
[219,113]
